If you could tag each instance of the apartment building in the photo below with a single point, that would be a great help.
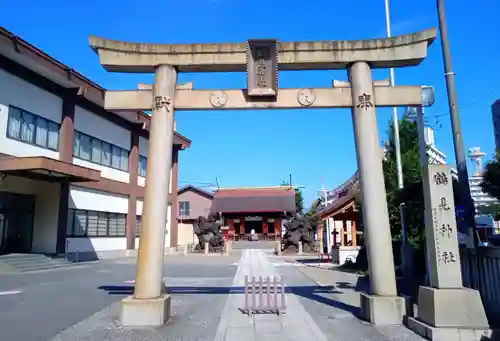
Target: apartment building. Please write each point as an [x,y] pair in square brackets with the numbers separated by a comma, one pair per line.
[495,115]
[72,174]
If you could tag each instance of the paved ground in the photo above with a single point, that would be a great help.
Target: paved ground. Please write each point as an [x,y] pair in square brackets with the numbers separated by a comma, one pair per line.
[259,244]
[335,306]
[81,303]
[38,306]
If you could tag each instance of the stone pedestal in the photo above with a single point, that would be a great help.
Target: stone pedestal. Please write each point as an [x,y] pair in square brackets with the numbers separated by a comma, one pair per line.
[344,254]
[383,310]
[301,249]
[450,315]
[229,247]
[145,312]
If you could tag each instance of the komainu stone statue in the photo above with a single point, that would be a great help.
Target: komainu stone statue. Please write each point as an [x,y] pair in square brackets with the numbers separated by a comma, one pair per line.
[298,230]
[208,231]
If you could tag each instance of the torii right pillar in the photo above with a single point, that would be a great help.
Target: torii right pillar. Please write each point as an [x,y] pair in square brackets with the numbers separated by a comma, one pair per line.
[381,306]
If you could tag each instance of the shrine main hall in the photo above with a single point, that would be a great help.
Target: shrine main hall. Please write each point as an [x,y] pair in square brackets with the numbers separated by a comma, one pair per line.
[261,209]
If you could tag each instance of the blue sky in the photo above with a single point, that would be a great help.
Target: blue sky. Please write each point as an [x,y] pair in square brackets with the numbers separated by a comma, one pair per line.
[260,148]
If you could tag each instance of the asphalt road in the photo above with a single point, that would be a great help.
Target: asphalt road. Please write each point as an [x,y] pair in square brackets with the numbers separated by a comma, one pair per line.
[259,244]
[38,306]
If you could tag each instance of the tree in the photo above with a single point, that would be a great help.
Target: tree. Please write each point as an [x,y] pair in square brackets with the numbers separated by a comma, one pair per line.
[491,178]
[410,159]
[412,193]
[310,214]
[299,199]
[493,209]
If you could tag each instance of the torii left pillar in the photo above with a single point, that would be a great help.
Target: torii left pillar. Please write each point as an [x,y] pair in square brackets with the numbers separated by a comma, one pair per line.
[150,304]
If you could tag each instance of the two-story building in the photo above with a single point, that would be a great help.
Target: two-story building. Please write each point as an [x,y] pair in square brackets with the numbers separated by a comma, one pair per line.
[194,202]
[72,174]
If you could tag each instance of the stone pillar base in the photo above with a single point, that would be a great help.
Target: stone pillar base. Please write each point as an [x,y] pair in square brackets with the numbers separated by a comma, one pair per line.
[436,320]
[152,312]
[229,248]
[383,310]
[447,334]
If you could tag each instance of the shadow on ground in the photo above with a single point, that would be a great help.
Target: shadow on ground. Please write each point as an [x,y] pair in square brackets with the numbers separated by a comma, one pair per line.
[310,292]
[312,260]
[362,284]
[495,336]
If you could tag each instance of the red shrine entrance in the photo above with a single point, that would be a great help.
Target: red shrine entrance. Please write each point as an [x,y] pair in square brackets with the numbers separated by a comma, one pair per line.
[263,210]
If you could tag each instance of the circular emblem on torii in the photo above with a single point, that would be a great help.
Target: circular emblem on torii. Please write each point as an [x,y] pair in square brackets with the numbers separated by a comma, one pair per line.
[218,98]
[306,97]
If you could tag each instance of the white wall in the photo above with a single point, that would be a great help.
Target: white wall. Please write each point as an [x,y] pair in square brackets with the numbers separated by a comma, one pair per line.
[139,206]
[95,126]
[141,181]
[46,210]
[96,244]
[88,199]
[17,92]
[168,225]
[186,234]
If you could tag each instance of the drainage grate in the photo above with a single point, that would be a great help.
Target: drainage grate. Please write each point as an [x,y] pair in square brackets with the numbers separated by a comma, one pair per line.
[264,296]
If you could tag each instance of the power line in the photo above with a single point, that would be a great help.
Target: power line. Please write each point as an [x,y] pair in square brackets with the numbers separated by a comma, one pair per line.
[466,106]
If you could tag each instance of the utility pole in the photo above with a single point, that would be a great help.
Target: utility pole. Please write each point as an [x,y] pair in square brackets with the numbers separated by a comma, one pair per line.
[395,122]
[327,224]
[399,166]
[460,158]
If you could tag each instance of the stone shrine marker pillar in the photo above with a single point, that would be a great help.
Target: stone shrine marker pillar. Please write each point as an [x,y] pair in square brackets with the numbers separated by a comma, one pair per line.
[446,310]
[150,305]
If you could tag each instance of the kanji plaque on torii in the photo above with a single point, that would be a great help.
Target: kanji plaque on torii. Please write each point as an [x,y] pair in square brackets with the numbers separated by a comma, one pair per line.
[262,67]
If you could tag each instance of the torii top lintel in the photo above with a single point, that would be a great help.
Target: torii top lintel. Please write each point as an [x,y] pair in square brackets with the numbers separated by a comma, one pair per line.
[400,51]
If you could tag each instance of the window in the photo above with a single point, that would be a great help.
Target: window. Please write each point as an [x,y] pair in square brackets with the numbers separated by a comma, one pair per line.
[117,224]
[106,154]
[183,208]
[100,152]
[85,223]
[96,151]
[142,165]
[33,129]
[137,226]
[115,157]
[85,147]
[124,160]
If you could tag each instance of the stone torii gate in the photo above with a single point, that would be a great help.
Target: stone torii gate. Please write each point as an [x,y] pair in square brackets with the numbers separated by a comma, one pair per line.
[261,60]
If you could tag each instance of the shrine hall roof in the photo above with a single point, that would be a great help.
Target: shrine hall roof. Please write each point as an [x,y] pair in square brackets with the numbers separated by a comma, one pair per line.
[254,199]
[346,200]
